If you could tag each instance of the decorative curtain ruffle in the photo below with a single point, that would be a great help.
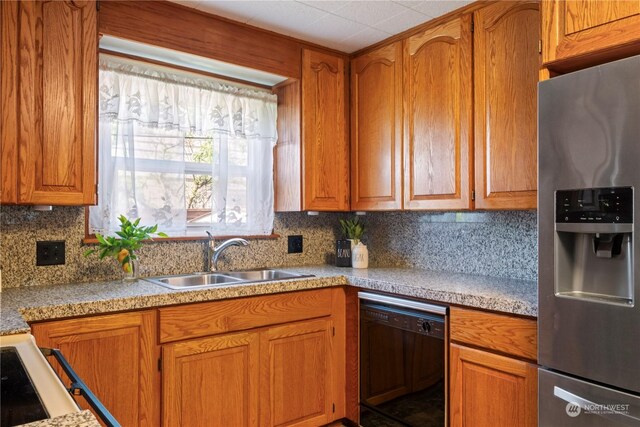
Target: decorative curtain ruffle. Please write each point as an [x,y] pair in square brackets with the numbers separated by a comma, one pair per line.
[146,113]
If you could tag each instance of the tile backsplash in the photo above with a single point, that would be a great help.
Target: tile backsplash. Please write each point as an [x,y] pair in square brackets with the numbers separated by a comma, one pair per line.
[488,243]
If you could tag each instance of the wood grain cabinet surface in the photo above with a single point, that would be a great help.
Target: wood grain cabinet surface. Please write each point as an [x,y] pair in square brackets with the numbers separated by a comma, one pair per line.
[298,374]
[581,33]
[492,370]
[506,65]
[438,119]
[311,159]
[116,356]
[468,115]
[376,129]
[325,145]
[211,381]
[487,389]
[279,361]
[49,102]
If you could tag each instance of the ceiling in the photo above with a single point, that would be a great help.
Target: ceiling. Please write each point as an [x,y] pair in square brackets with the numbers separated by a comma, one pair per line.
[346,26]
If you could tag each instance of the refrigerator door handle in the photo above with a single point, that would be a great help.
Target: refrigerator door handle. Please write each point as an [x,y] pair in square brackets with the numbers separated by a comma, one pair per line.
[610,414]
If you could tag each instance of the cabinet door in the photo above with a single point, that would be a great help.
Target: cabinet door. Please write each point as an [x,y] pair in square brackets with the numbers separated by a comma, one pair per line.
[57,102]
[438,117]
[376,129]
[211,381]
[9,101]
[491,390]
[116,356]
[506,64]
[297,374]
[588,32]
[325,147]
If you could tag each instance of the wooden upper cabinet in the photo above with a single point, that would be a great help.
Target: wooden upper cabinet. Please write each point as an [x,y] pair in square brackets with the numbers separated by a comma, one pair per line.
[325,146]
[9,102]
[506,64]
[376,129]
[53,114]
[579,33]
[438,118]
[116,356]
[211,381]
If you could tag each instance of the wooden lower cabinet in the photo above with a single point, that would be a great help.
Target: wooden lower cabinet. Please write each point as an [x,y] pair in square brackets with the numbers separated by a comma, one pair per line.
[116,356]
[273,360]
[279,376]
[488,389]
[216,376]
[297,374]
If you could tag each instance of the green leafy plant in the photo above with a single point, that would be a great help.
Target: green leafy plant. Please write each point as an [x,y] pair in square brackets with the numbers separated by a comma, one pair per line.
[352,229]
[129,240]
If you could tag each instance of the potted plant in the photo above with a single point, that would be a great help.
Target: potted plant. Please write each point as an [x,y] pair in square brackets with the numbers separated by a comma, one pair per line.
[352,229]
[125,246]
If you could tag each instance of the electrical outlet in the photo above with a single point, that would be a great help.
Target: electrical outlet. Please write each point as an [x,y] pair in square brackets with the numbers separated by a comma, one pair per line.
[295,244]
[50,253]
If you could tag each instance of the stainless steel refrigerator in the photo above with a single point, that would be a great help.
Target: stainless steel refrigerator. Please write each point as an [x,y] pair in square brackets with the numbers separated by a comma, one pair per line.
[589,265]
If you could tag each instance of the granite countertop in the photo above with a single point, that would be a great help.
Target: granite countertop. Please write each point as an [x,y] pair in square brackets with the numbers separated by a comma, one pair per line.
[28,304]
[77,419]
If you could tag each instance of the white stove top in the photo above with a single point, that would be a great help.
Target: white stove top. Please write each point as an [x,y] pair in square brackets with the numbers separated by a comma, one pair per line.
[53,395]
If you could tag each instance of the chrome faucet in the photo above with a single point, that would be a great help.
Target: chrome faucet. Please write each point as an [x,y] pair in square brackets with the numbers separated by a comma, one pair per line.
[213,252]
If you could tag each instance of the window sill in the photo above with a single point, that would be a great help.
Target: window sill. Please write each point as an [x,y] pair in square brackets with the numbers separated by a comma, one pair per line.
[90,239]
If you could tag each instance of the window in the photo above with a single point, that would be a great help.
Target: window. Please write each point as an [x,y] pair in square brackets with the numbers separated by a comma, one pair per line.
[189,153]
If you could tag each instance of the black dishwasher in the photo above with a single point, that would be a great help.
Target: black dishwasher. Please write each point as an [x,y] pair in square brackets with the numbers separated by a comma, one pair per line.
[402,362]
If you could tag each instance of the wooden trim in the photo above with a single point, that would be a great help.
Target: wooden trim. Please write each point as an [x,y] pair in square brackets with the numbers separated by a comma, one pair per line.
[507,334]
[187,69]
[423,27]
[351,313]
[204,34]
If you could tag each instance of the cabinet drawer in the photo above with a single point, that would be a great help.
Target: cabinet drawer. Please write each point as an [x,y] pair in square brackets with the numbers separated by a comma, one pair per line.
[210,318]
[500,332]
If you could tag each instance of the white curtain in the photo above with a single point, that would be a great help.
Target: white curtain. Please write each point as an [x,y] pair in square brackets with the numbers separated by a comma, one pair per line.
[151,118]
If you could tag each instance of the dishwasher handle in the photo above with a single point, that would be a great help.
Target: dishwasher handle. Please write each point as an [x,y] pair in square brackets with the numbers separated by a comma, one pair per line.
[612,414]
[403,303]
[79,388]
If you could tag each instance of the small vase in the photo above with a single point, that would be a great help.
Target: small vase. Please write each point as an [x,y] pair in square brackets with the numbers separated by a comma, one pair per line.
[130,274]
[360,256]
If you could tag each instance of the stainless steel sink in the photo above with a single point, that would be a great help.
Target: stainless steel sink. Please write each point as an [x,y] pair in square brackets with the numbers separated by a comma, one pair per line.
[210,280]
[263,275]
[193,280]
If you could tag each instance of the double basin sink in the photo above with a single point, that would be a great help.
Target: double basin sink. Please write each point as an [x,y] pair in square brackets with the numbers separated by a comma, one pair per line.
[207,280]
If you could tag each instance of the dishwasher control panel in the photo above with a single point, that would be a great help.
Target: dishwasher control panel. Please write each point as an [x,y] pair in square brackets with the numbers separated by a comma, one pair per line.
[411,321]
